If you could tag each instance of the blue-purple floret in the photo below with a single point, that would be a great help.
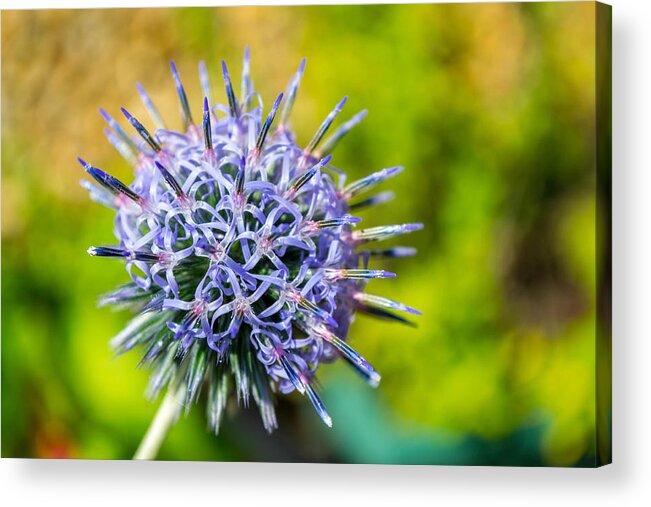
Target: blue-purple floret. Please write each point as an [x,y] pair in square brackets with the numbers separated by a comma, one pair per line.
[244,257]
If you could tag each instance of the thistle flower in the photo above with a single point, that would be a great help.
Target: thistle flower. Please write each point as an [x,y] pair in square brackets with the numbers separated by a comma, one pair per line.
[245,260]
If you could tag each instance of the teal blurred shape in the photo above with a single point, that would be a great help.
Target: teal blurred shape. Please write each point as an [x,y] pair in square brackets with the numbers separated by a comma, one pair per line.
[367,431]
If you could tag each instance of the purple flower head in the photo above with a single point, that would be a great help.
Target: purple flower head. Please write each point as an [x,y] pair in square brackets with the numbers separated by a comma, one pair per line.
[245,259]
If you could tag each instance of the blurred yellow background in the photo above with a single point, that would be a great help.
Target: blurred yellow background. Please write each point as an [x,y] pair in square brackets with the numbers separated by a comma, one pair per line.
[490,107]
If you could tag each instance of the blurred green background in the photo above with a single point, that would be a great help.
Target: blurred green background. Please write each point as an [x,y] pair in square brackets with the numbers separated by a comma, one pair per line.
[490,107]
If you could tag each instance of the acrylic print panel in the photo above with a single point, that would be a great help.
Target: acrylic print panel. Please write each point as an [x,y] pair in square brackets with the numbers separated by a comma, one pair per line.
[373,234]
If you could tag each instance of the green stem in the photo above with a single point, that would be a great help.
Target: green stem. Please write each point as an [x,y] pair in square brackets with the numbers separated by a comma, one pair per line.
[163,420]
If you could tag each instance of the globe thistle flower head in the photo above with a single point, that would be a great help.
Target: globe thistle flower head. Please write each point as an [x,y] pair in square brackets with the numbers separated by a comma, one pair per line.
[246,261]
